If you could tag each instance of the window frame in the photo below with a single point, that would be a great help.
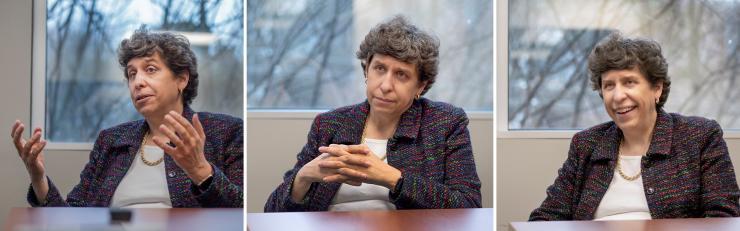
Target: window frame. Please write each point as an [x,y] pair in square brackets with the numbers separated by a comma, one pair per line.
[38,79]
[501,99]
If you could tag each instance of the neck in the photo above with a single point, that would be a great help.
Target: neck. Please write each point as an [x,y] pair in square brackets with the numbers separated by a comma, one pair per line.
[154,121]
[379,125]
[638,140]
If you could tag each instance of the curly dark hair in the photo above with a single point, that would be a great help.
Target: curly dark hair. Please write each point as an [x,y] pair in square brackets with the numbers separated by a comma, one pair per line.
[616,52]
[173,48]
[403,41]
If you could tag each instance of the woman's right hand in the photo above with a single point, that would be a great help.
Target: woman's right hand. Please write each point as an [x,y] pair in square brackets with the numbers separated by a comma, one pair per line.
[30,151]
[312,172]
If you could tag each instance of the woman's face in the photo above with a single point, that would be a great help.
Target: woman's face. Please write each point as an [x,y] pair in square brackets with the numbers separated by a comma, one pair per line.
[153,86]
[391,84]
[629,98]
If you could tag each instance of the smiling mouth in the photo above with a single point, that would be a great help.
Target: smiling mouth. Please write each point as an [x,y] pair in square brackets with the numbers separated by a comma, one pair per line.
[625,110]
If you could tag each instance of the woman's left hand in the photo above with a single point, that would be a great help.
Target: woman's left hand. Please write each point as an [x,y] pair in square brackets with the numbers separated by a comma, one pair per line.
[367,168]
[189,140]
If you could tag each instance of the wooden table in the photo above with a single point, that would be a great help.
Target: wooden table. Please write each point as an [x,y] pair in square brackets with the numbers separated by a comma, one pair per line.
[689,224]
[429,219]
[180,219]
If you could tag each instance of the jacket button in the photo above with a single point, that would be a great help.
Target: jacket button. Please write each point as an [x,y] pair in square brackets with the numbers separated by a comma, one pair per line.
[650,191]
[171,174]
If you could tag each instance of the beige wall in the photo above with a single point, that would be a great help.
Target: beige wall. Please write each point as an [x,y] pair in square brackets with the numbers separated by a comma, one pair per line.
[274,142]
[15,63]
[525,167]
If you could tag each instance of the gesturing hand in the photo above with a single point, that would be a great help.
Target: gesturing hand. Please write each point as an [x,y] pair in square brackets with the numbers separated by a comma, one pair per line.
[189,140]
[365,167]
[30,151]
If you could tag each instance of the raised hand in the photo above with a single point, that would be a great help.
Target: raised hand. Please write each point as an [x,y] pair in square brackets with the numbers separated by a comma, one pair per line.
[31,152]
[189,140]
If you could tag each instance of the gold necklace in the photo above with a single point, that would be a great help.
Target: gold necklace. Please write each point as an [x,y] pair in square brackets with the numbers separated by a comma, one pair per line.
[619,167]
[141,149]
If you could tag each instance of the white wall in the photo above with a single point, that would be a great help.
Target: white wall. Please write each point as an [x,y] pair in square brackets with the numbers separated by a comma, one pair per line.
[273,144]
[15,63]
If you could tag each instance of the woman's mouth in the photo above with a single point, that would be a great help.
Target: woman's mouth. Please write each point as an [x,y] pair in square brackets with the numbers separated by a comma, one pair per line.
[142,98]
[383,100]
[625,110]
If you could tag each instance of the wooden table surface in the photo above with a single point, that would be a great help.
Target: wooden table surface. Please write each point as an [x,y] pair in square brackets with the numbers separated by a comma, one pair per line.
[180,219]
[407,220]
[698,224]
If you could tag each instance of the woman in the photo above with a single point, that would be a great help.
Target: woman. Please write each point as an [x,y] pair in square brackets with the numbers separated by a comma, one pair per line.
[415,153]
[645,163]
[161,161]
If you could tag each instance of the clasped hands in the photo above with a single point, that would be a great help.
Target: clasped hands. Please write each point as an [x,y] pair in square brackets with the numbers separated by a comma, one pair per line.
[350,164]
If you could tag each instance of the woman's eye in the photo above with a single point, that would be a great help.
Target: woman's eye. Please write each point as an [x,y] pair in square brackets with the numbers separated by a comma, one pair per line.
[131,75]
[379,68]
[151,69]
[401,75]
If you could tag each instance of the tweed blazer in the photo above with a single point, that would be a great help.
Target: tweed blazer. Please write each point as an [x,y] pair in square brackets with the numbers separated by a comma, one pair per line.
[431,148]
[116,147]
[687,172]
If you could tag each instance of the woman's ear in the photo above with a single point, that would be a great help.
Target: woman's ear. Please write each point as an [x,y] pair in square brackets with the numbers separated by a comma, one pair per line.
[658,89]
[182,80]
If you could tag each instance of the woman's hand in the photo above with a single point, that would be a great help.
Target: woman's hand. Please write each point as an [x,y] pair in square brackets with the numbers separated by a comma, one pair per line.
[315,172]
[367,167]
[30,151]
[189,140]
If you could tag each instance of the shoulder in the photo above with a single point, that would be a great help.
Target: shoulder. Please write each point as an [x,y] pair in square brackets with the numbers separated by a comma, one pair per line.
[694,126]
[693,123]
[589,139]
[120,131]
[342,114]
[595,133]
[441,109]
[220,119]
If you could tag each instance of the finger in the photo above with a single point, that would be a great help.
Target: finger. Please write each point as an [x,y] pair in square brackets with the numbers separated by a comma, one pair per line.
[356,160]
[339,178]
[183,133]
[184,123]
[34,138]
[199,126]
[358,149]
[171,134]
[333,150]
[16,124]
[36,149]
[17,140]
[351,173]
[353,183]
[332,164]
[164,146]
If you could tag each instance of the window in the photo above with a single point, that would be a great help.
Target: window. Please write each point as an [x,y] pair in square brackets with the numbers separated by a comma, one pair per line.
[302,53]
[78,85]
[549,42]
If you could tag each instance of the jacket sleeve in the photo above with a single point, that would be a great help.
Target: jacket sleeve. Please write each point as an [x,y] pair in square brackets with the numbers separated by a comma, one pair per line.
[280,200]
[559,203]
[83,193]
[719,187]
[461,186]
[225,189]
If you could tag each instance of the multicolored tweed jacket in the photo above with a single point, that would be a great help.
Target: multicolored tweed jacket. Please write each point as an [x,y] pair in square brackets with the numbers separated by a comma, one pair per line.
[687,172]
[431,147]
[116,147]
